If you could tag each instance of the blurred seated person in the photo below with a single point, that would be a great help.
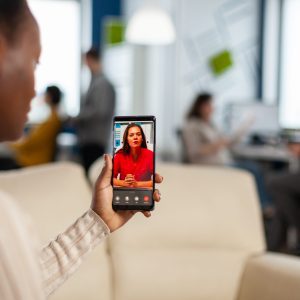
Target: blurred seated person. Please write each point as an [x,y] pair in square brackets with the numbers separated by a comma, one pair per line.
[39,145]
[205,144]
[285,191]
[133,163]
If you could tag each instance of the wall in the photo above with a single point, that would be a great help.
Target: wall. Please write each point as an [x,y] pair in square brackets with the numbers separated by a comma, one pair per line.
[206,28]
[101,9]
[174,74]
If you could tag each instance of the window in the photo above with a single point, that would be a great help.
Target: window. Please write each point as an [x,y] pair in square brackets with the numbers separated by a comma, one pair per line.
[289,77]
[60,26]
[281,60]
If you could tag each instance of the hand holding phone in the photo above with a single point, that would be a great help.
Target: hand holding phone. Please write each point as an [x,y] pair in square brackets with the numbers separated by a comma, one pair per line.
[102,199]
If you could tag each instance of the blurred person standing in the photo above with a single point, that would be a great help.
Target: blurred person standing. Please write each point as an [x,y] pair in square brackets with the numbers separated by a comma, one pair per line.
[39,145]
[97,109]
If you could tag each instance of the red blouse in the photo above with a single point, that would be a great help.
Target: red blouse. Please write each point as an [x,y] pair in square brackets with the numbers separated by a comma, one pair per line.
[142,168]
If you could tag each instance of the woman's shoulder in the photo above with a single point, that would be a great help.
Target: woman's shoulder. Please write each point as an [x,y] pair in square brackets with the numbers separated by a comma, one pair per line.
[194,120]
[147,152]
[120,152]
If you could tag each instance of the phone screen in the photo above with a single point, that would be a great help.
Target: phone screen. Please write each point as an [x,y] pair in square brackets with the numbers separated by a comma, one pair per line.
[133,162]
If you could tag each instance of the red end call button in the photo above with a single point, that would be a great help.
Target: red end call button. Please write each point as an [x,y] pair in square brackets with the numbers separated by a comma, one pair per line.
[146,198]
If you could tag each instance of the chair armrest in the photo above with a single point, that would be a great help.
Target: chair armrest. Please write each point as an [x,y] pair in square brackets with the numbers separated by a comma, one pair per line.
[271,277]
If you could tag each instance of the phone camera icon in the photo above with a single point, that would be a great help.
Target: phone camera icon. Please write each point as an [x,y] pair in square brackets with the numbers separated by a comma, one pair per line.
[136,198]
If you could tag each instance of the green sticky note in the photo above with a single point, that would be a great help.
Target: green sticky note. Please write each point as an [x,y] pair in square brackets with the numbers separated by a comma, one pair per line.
[221,62]
[114,31]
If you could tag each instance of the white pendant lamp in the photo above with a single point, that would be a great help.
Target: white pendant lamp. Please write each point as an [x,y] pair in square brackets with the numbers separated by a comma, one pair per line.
[150,25]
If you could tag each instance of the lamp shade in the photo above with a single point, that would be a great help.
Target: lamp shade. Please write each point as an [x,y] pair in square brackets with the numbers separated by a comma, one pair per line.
[150,25]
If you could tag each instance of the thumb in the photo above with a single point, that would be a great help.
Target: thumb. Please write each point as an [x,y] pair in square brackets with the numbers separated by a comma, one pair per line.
[106,173]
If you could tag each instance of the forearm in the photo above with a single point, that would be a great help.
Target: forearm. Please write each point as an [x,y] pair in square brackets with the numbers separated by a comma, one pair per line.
[61,257]
[119,182]
[144,183]
[232,141]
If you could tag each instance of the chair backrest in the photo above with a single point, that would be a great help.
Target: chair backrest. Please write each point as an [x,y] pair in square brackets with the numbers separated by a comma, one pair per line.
[54,196]
[206,206]
[182,145]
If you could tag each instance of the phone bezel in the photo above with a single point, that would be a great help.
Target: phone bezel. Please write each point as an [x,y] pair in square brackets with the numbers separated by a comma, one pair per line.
[128,119]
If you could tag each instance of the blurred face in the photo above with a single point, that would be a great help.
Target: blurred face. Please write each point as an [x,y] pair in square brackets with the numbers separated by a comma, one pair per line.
[206,111]
[134,137]
[92,64]
[17,65]
[88,62]
[47,99]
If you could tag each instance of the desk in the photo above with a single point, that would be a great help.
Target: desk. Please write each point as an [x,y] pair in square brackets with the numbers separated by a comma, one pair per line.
[267,153]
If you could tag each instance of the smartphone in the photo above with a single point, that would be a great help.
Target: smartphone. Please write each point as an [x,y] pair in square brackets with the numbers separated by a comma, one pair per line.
[133,162]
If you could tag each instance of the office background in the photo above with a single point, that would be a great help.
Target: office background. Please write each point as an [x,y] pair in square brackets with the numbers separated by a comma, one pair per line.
[241,51]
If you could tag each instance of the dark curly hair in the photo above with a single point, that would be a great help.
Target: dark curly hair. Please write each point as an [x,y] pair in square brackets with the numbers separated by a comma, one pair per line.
[126,148]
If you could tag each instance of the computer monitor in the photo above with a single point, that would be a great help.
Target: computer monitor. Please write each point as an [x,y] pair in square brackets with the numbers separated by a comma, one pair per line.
[256,118]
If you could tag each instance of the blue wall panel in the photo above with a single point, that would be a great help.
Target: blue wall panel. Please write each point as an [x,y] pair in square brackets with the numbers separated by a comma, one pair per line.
[101,9]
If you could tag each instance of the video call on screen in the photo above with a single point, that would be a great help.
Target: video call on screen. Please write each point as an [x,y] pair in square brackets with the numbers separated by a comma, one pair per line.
[133,168]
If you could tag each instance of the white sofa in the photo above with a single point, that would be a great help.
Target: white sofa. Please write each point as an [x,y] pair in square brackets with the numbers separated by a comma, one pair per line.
[204,240]
[54,196]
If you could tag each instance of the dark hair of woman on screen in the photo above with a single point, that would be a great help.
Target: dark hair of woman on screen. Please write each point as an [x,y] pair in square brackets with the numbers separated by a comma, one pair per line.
[133,163]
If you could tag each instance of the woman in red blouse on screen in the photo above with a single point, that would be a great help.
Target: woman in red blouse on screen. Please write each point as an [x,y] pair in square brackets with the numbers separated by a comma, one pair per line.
[133,163]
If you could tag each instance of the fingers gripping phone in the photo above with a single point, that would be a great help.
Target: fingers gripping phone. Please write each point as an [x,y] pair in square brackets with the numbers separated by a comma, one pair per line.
[133,162]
